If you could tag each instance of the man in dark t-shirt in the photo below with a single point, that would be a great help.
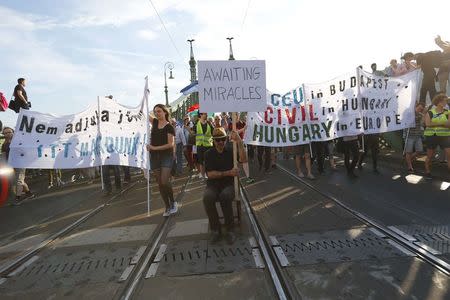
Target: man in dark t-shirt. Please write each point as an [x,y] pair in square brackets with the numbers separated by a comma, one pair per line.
[20,95]
[219,186]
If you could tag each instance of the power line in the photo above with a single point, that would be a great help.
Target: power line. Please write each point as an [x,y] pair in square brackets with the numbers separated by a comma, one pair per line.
[245,15]
[167,31]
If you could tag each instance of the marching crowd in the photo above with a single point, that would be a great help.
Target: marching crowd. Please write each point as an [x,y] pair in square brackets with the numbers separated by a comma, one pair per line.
[202,141]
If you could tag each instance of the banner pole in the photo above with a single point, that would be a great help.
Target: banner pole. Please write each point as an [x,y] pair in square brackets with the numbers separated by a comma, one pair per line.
[148,141]
[310,113]
[98,125]
[235,162]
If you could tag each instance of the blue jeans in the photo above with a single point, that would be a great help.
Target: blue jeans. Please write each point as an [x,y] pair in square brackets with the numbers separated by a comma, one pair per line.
[179,154]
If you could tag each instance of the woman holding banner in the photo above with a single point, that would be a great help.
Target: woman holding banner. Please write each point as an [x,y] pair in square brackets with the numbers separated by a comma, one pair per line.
[161,155]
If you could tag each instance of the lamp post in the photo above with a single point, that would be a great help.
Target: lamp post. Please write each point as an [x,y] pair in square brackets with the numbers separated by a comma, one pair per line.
[231,49]
[167,65]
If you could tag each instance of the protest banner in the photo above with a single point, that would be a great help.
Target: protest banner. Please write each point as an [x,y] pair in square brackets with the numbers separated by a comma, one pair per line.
[387,103]
[232,85]
[107,134]
[343,106]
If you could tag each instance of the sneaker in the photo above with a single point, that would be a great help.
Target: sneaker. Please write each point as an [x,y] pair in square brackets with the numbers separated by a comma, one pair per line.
[205,177]
[17,201]
[174,208]
[428,176]
[50,186]
[28,195]
[215,237]
[230,237]
[166,212]
[250,180]
[360,166]
[311,176]
[301,175]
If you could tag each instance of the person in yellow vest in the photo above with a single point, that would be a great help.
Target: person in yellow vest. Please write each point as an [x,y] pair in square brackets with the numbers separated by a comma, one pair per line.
[203,141]
[437,131]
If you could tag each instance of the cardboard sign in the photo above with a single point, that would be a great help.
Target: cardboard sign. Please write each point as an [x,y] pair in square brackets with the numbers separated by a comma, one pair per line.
[232,85]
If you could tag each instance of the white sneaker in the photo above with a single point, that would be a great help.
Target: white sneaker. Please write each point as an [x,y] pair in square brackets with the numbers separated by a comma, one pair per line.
[166,213]
[206,176]
[174,208]
[200,176]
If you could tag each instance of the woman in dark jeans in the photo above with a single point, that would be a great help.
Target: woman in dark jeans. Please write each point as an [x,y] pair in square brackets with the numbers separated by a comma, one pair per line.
[161,155]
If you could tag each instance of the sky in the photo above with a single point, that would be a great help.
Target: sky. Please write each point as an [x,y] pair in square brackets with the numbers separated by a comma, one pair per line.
[71,51]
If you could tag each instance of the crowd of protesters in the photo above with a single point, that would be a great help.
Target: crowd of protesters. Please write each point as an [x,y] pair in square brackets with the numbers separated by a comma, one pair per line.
[202,141]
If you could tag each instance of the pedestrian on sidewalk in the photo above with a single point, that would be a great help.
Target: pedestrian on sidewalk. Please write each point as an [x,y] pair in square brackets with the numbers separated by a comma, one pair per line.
[413,135]
[219,166]
[161,155]
[437,131]
[22,190]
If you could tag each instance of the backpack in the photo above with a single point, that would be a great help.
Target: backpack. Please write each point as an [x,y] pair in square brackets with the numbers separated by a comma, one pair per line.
[3,102]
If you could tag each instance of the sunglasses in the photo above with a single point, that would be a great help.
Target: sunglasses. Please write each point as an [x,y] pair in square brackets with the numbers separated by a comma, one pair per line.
[221,139]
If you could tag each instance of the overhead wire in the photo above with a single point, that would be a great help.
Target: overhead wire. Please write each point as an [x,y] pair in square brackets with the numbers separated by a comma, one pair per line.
[165,29]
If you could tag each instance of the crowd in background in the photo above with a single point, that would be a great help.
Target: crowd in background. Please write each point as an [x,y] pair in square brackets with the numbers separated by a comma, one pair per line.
[192,137]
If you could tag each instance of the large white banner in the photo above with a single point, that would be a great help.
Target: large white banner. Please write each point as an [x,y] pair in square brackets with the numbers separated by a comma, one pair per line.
[112,135]
[232,85]
[352,104]
[387,103]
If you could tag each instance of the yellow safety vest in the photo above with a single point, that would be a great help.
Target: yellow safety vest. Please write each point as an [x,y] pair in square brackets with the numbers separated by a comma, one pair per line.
[438,117]
[203,139]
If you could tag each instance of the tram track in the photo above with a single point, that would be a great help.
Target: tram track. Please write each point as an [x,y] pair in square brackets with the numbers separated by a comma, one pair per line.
[279,282]
[27,256]
[427,254]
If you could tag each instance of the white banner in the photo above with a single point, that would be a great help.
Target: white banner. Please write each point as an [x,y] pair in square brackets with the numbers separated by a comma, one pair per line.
[232,85]
[116,135]
[387,103]
[348,105]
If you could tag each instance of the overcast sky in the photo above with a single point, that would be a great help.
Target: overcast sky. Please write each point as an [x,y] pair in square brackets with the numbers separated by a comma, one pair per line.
[71,51]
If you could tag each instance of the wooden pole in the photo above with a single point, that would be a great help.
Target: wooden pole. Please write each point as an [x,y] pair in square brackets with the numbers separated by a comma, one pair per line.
[235,158]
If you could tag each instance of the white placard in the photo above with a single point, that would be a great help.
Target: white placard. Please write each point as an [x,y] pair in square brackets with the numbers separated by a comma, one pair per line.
[45,141]
[232,85]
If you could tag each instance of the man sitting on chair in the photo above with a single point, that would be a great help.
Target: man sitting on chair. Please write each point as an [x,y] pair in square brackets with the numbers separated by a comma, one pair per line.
[220,184]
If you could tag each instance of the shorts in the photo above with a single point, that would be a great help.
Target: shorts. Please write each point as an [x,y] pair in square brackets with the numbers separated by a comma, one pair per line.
[414,144]
[433,141]
[201,153]
[301,150]
[161,159]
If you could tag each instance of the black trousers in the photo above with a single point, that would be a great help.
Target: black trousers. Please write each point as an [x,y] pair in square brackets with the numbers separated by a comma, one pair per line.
[371,142]
[319,150]
[225,197]
[264,151]
[351,149]
[107,180]
[428,86]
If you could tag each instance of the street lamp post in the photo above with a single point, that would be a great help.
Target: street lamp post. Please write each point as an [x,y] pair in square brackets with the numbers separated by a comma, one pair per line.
[167,65]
